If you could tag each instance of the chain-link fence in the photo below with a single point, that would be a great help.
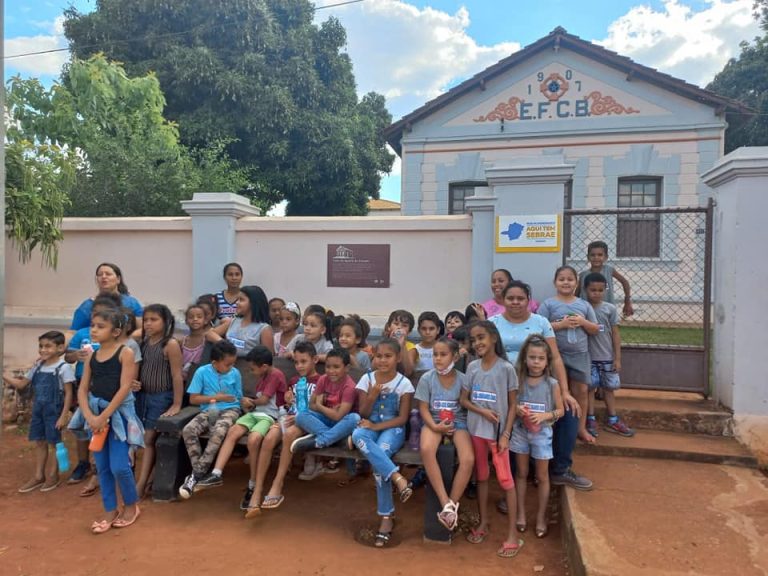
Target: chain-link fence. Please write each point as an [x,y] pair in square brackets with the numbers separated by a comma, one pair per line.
[664,255]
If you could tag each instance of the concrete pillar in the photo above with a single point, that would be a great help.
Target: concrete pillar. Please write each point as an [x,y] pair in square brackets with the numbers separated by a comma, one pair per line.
[214,218]
[529,185]
[482,206]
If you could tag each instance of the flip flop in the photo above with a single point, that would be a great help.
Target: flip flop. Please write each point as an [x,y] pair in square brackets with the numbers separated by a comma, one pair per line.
[88,491]
[272,502]
[509,550]
[252,512]
[123,523]
[49,487]
[477,536]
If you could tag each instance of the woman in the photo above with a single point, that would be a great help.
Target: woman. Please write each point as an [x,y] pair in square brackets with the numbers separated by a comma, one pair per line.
[109,278]
[500,279]
[515,324]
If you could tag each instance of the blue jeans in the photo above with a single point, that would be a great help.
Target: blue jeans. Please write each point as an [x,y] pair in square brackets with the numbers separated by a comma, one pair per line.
[377,447]
[114,467]
[327,431]
[564,441]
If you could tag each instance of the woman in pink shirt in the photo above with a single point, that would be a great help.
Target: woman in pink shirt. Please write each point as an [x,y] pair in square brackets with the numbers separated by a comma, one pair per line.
[499,280]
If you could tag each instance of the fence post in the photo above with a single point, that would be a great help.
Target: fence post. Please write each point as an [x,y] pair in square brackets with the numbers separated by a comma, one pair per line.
[214,218]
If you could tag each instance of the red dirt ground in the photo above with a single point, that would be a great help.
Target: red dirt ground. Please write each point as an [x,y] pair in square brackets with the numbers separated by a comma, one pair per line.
[312,533]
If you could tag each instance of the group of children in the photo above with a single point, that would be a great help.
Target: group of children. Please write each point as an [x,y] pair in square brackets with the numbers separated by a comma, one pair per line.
[467,392]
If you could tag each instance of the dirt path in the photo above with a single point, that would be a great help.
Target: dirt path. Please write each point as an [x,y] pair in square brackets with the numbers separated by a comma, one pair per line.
[311,534]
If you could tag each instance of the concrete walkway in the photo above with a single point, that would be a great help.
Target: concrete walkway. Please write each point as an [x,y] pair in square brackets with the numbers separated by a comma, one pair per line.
[650,517]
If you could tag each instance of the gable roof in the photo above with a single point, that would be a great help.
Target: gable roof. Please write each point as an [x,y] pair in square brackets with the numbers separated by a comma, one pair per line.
[381,204]
[560,38]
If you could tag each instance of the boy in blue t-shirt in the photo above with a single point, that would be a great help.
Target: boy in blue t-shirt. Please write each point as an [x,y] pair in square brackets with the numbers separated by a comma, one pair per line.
[218,389]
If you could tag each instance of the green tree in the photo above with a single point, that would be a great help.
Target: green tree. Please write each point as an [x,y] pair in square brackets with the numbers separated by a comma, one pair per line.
[262,76]
[133,164]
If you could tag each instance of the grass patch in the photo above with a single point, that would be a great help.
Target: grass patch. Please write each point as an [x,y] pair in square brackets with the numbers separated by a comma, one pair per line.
[662,335]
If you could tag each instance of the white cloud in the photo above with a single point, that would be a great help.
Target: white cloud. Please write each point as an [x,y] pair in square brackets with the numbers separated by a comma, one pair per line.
[39,64]
[411,55]
[690,45]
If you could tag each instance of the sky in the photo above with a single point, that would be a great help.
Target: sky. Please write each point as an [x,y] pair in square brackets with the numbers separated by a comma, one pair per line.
[413,50]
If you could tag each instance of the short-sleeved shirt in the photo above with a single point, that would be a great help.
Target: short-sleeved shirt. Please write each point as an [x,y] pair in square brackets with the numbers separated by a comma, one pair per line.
[82,316]
[489,389]
[245,337]
[425,358]
[311,384]
[601,344]
[539,398]
[335,393]
[439,398]
[554,310]
[279,348]
[270,385]
[607,271]
[363,360]
[322,346]
[208,382]
[513,335]
[492,307]
[399,385]
[66,374]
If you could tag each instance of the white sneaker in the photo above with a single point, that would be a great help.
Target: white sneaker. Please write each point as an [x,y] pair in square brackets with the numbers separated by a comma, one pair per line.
[318,470]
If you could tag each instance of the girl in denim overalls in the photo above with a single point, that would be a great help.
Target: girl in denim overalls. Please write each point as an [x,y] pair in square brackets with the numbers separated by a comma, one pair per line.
[385,401]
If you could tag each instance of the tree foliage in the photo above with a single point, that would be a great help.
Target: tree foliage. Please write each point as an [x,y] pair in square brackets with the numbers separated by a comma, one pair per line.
[260,75]
[132,162]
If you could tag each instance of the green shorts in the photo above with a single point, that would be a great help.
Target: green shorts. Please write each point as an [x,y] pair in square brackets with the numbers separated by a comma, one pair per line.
[256,422]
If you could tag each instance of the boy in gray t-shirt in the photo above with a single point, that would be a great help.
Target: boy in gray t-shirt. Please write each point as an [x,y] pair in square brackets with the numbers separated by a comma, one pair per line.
[605,353]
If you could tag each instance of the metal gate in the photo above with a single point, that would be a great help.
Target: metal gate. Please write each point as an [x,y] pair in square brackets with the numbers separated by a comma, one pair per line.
[666,255]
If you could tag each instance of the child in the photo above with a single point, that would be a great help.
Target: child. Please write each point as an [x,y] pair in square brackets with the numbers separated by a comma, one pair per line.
[107,405]
[288,335]
[260,413]
[438,396]
[217,389]
[226,300]
[52,381]
[79,350]
[430,329]
[605,353]
[490,396]
[384,397]
[539,405]
[573,321]
[399,324]
[466,355]
[193,344]
[162,384]
[275,306]
[330,417]
[210,305]
[453,320]
[316,327]
[597,254]
[353,332]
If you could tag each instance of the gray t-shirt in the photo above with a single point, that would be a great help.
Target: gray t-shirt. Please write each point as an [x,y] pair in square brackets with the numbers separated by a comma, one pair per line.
[539,398]
[554,310]
[244,337]
[439,398]
[322,346]
[489,389]
[363,360]
[607,271]
[131,343]
[601,344]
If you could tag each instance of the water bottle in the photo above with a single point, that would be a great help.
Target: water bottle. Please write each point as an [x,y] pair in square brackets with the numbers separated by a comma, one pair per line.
[85,344]
[282,418]
[62,456]
[213,414]
[572,337]
[302,395]
[414,440]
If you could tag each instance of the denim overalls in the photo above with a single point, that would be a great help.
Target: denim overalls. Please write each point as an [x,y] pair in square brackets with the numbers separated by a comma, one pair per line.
[378,446]
[47,406]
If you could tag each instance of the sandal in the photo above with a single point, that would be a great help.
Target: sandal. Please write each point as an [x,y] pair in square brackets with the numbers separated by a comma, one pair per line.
[522,526]
[510,550]
[476,536]
[406,491]
[252,512]
[449,516]
[123,523]
[541,532]
[101,526]
[382,538]
[89,491]
[272,502]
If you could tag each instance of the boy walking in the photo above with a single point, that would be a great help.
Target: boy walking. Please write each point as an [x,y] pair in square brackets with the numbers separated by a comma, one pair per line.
[605,353]
[597,254]
[52,382]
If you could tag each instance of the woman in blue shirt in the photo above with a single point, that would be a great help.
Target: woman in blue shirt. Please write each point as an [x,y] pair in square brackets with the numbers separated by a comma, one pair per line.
[109,279]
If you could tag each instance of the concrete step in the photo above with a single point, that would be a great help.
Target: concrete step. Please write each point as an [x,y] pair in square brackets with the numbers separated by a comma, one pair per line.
[662,518]
[670,411]
[671,446]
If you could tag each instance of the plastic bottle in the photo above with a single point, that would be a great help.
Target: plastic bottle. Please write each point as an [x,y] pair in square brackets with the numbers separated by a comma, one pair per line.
[302,395]
[62,456]
[213,414]
[572,337]
[414,440]
[85,344]
[282,418]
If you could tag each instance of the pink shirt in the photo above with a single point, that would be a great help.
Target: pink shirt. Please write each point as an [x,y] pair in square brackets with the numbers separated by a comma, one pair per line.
[493,308]
[336,393]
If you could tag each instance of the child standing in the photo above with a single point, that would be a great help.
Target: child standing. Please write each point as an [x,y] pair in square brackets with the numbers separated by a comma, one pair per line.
[226,300]
[438,395]
[384,397]
[217,389]
[275,306]
[430,329]
[52,381]
[162,383]
[573,321]
[107,404]
[490,396]
[288,335]
[539,405]
[605,353]
[454,320]
[597,254]
[353,332]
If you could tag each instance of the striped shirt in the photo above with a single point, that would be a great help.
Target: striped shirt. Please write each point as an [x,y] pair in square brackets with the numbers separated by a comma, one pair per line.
[155,371]
[227,309]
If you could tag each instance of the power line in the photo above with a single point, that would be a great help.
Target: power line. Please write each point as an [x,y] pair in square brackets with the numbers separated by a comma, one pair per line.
[168,35]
